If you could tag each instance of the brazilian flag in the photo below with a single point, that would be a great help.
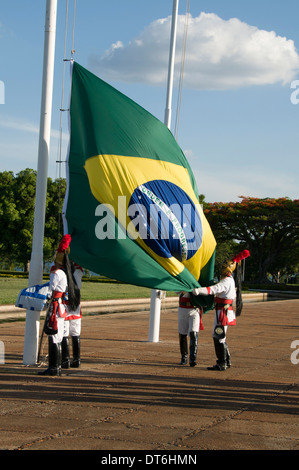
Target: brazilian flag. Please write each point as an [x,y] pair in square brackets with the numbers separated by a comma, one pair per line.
[131,206]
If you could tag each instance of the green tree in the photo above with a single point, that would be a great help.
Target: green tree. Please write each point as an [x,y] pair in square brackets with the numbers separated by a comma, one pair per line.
[53,220]
[267,227]
[225,247]
[8,216]
[286,264]
[17,203]
[24,197]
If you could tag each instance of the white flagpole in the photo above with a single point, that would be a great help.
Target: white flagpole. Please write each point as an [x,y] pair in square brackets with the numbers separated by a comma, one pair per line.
[36,262]
[154,327]
[167,117]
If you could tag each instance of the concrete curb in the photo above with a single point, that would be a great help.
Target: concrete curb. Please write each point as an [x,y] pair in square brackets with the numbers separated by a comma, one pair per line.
[10,312]
[95,307]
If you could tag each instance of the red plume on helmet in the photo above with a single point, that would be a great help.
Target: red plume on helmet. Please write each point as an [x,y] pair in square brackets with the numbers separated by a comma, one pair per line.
[244,254]
[64,244]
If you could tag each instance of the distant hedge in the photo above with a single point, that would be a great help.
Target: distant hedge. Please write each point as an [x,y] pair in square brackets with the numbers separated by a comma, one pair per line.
[23,275]
[102,279]
[271,286]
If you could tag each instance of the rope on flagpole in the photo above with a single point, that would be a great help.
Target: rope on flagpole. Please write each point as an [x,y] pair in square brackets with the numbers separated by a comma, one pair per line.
[59,160]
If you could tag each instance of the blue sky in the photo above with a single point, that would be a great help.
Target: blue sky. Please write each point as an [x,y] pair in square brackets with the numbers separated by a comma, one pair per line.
[237,124]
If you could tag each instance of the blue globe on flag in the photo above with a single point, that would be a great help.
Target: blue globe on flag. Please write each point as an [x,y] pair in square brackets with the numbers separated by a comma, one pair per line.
[166,219]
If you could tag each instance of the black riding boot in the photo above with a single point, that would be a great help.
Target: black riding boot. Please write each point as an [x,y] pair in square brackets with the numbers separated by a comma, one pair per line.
[193,348]
[65,352]
[221,354]
[76,351]
[183,349]
[54,359]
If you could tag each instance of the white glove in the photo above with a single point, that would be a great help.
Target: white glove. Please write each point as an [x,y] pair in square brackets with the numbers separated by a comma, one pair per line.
[200,291]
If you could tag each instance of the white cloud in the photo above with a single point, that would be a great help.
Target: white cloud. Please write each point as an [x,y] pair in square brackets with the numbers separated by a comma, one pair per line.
[19,125]
[19,150]
[28,127]
[220,54]
[229,184]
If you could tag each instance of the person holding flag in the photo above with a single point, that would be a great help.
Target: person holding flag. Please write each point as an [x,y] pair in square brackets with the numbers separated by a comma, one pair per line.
[226,292]
[61,282]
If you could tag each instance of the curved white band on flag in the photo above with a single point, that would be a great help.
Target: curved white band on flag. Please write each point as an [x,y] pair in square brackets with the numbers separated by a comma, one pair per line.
[172,218]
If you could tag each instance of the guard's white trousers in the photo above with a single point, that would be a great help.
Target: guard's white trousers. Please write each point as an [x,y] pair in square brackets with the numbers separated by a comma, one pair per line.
[188,320]
[60,327]
[72,327]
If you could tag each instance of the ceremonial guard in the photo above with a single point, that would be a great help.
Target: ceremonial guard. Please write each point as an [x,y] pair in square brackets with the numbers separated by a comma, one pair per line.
[189,323]
[61,283]
[72,327]
[226,292]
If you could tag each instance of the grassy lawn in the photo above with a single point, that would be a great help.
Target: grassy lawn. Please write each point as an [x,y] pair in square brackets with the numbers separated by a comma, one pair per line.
[10,288]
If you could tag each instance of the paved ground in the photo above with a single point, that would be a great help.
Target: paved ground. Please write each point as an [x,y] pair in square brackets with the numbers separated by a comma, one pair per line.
[131,394]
